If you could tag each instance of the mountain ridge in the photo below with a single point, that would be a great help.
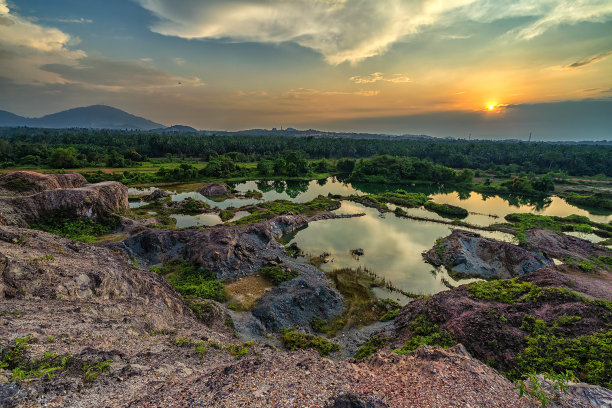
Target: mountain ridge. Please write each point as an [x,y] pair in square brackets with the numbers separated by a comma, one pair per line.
[93,116]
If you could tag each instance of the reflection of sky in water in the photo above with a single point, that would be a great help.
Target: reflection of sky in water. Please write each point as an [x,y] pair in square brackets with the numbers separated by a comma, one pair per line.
[392,246]
[498,206]
[209,219]
[136,204]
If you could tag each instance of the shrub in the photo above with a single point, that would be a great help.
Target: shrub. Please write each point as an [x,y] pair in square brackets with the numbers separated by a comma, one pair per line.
[278,275]
[294,340]
[424,331]
[373,345]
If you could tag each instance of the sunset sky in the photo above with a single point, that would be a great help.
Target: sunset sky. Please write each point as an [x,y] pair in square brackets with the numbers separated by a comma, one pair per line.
[445,68]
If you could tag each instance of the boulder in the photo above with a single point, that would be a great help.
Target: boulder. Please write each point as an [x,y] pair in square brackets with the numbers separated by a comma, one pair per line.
[468,254]
[214,189]
[30,182]
[294,303]
[92,200]
[157,195]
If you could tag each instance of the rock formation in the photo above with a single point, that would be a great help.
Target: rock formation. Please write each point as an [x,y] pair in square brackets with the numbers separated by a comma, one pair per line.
[214,189]
[466,254]
[52,193]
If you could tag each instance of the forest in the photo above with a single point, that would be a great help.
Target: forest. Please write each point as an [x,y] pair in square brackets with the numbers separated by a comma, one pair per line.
[71,149]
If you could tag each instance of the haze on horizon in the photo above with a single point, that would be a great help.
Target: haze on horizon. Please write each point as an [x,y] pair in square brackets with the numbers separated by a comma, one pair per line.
[445,68]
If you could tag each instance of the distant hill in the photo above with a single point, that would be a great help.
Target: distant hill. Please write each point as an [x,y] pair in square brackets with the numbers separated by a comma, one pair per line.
[10,119]
[95,117]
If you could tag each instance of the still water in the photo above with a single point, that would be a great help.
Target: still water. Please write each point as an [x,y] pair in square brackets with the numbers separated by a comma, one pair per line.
[392,246]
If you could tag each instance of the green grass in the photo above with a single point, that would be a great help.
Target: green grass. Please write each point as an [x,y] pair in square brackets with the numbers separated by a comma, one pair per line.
[271,209]
[521,222]
[446,209]
[373,345]
[294,340]
[64,224]
[18,185]
[398,197]
[192,282]
[503,291]
[424,331]
[276,275]
[361,306]
[547,350]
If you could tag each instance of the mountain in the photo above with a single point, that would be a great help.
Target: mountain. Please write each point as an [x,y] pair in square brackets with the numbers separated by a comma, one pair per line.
[10,119]
[95,116]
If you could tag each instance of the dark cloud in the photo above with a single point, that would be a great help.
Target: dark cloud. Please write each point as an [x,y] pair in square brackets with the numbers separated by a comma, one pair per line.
[106,72]
[589,60]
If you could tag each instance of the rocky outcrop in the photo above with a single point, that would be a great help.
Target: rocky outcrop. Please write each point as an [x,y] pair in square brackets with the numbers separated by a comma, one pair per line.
[492,330]
[38,265]
[294,303]
[92,200]
[229,251]
[30,182]
[156,195]
[430,377]
[577,395]
[468,254]
[214,189]
[562,246]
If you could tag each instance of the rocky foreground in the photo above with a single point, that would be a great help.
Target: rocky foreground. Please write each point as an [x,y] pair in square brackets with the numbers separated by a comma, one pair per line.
[121,336]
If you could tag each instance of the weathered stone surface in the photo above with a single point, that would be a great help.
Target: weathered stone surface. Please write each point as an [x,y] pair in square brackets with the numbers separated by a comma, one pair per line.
[465,253]
[229,251]
[92,200]
[577,395]
[562,246]
[214,189]
[38,182]
[38,265]
[294,303]
[157,195]
[477,323]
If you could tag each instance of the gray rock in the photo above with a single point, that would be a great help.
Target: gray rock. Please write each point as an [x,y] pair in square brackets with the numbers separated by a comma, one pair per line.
[294,303]
[467,254]
[157,195]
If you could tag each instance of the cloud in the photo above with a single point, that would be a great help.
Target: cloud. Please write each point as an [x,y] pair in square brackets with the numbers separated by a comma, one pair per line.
[70,20]
[341,30]
[590,60]
[378,76]
[117,75]
[353,30]
[557,12]
[300,93]
[31,53]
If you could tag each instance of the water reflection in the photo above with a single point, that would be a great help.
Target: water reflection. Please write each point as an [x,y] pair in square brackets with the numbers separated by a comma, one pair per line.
[392,246]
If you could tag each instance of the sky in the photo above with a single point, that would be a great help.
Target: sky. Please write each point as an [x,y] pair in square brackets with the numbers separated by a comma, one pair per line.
[486,68]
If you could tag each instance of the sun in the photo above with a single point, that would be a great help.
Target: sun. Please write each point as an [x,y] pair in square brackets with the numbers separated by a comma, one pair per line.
[491,107]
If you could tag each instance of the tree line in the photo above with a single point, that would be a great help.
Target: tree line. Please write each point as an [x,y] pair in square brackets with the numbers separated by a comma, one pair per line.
[60,149]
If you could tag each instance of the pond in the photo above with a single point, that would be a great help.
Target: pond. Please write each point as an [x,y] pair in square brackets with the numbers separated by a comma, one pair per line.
[392,245]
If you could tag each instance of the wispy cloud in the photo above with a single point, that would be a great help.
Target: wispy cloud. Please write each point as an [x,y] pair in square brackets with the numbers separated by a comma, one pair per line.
[590,60]
[69,20]
[308,92]
[353,30]
[378,76]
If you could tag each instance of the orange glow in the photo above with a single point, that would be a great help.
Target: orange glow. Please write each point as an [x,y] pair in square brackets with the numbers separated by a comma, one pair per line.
[491,107]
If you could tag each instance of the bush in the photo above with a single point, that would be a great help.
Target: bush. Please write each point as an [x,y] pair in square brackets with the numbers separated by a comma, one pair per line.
[63,223]
[424,331]
[294,340]
[446,209]
[371,346]
[278,275]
